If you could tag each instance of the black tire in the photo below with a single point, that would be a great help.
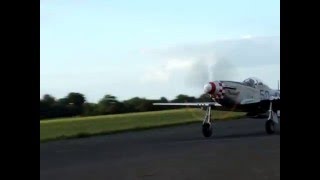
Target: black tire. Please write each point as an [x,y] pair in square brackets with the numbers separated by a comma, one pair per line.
[270,127]
[206,130]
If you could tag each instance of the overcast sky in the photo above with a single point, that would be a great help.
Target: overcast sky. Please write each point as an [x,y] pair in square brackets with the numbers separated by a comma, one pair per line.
[155,48]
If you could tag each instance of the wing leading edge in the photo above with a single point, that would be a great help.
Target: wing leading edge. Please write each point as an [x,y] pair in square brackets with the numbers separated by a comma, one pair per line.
[255,101]
[197,104]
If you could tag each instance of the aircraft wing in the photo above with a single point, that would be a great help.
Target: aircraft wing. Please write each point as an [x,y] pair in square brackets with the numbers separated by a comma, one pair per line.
[274,98]
[263,104]
[249,101]
[197,104]
[253,101]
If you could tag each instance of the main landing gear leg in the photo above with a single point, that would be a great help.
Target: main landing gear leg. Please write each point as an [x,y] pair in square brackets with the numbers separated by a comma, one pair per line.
[272,120]
[207,126]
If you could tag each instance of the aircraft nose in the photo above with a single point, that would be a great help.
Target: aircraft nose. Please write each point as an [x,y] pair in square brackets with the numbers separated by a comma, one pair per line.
[209,88]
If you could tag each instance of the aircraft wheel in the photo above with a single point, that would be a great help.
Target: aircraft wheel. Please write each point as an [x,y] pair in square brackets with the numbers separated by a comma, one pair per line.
[270,127]
[207,129]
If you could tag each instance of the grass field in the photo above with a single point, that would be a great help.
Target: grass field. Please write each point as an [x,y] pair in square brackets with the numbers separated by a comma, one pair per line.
[95,125]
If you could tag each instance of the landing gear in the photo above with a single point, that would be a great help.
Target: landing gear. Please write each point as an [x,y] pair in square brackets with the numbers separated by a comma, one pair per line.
[270,125]
[207,126]
[206,130]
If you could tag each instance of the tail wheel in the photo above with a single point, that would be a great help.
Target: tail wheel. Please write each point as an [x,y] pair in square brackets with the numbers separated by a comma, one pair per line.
[207,130]
[270,127]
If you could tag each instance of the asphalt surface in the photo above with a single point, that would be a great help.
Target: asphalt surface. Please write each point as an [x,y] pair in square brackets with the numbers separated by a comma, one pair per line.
[238,149]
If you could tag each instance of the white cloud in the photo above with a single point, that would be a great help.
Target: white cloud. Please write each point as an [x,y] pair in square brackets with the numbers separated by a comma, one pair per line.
[178,64]
[185,68]
[173,70]
[179,82]
[247,37]
[155,75]
[269,74]
[240,52]
[162,73]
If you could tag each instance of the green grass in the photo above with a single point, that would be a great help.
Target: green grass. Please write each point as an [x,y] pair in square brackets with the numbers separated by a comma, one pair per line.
[64,128]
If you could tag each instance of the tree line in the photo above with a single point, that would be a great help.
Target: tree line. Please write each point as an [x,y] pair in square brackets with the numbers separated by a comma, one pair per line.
[75,104]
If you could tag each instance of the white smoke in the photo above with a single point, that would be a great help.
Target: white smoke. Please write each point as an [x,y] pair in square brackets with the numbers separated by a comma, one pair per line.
[221,60]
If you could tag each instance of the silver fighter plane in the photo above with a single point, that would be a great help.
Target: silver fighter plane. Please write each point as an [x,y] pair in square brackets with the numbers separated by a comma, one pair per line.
[251,95]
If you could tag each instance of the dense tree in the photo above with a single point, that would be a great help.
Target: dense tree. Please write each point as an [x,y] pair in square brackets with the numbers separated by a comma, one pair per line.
[47,106]
[132,104]
[44,109]
[74,104]
[163,100]
[110,105]
[204,98]
[90,109]
[48,99]
[184,98]
[76,98]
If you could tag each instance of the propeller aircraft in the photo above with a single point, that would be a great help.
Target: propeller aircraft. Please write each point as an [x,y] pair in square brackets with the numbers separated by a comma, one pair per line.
[251,96]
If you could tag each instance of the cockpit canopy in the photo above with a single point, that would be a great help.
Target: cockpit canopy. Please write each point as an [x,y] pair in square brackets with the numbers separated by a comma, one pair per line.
[253,82]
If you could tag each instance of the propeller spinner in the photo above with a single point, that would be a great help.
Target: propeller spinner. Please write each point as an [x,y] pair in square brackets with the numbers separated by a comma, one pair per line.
[209,88]
[214,89]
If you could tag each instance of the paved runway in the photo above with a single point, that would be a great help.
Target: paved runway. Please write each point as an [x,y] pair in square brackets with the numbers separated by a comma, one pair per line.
[238,149]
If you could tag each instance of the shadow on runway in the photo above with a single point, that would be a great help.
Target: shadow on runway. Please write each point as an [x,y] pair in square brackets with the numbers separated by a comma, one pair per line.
[229,136]
[244,135]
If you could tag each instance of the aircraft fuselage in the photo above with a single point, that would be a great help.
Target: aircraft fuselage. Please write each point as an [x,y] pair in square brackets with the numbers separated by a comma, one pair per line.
[238,96]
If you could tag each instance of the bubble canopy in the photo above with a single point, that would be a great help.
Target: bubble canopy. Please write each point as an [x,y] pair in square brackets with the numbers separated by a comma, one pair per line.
[253,82]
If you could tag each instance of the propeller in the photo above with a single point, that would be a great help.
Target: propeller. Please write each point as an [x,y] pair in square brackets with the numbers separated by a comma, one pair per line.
[208,69]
